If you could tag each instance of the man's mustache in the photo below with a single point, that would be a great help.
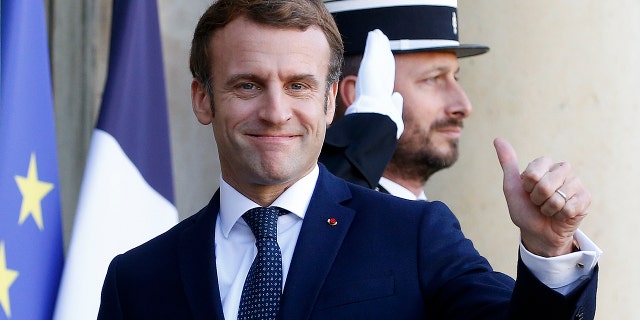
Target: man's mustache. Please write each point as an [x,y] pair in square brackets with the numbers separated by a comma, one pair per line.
[447,123]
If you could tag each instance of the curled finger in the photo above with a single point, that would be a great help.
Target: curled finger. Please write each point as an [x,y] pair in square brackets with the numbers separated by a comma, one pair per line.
[559,199]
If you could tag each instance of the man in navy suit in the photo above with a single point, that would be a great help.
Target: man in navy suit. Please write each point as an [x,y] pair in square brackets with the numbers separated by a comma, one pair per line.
[265,77]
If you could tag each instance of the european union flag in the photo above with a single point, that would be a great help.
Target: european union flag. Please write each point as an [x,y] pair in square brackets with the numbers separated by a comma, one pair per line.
[31,250]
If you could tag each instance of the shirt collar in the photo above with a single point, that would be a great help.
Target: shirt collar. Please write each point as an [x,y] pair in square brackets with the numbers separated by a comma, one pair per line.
[400,191]
[295,200]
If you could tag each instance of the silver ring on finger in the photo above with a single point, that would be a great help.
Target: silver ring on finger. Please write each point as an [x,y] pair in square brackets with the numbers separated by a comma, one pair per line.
[562,194]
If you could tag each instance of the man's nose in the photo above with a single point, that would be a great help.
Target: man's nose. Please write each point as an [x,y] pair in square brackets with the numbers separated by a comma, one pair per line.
[276,108]
[458,104]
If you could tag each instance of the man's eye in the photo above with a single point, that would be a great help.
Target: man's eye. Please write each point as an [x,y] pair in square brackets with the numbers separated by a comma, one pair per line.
[431,80]
[247,86]
[297,86]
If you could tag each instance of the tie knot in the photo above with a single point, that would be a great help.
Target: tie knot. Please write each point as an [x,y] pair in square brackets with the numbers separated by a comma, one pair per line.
[263,221]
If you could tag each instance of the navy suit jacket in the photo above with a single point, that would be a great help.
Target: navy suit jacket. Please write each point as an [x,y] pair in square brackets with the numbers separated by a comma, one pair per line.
[387,258]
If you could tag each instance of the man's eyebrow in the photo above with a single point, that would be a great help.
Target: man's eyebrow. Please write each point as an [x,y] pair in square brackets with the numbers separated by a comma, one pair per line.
[241,76]
[445,69]
[441,70]
[252,77]
[310,78]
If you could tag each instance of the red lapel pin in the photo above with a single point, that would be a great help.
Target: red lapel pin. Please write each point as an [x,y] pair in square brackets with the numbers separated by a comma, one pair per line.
[332,222]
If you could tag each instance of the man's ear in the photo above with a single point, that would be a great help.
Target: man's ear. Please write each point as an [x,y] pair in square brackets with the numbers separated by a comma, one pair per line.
[331,102]
[347,91]
[201,102]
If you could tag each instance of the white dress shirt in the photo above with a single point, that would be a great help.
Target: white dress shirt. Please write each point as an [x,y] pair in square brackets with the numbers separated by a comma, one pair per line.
[400,191]
[235,243]
[563,273]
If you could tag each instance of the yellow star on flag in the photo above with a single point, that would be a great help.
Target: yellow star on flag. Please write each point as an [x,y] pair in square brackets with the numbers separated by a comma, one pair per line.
[32,191]
[7,277]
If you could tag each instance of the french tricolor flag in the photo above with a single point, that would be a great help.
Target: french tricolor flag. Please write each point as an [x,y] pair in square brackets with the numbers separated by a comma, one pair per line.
[126,196]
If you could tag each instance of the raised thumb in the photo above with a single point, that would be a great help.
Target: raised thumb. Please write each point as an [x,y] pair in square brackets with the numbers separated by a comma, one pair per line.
[508,161]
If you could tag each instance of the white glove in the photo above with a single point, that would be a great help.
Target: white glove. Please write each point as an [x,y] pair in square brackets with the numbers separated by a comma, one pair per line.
[374,87]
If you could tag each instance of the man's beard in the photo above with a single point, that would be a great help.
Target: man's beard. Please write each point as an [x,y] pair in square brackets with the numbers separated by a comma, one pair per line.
[417,155]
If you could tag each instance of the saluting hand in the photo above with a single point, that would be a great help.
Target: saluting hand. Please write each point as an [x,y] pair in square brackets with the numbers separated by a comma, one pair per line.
[376,77]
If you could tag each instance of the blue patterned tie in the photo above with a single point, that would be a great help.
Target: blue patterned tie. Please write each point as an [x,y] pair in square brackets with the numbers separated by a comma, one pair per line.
[262,289]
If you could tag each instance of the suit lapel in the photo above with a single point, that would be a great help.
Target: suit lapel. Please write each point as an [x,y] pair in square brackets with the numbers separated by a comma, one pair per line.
[198,263]
[318,244]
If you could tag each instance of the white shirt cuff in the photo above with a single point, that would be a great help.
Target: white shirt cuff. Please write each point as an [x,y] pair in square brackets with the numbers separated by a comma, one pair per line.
[561,271]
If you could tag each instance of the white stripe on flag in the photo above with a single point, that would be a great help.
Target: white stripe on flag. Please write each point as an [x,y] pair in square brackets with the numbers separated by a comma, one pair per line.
[117,211]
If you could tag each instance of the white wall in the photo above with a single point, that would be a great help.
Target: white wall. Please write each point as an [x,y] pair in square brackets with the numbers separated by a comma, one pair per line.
[561,79]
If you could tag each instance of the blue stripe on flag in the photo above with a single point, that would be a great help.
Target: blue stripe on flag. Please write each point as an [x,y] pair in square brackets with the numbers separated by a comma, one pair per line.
[134,106]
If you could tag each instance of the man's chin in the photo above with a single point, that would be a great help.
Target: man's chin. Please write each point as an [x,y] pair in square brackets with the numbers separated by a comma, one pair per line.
[446,158]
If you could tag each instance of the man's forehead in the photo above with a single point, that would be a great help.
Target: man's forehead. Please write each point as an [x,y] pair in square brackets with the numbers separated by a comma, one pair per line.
[249,48]
[429,57]
[241,27]
[241,21]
